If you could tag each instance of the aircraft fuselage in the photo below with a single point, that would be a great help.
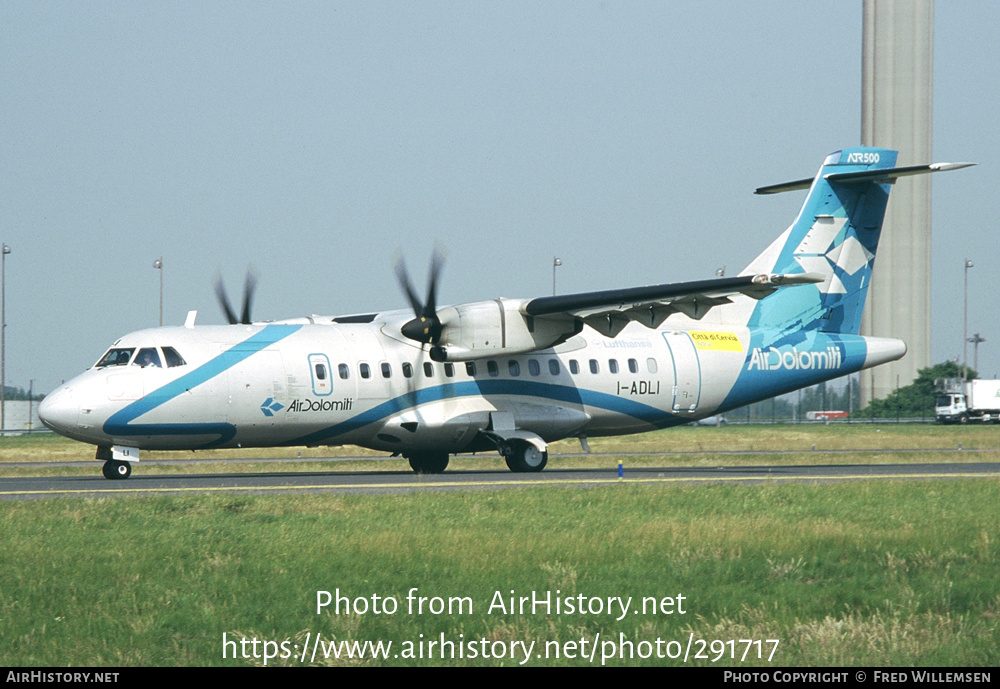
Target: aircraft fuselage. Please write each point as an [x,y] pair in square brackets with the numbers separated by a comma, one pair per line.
[308,384]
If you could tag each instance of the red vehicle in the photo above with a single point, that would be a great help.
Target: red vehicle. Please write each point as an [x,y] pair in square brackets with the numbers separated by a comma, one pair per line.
[825,415]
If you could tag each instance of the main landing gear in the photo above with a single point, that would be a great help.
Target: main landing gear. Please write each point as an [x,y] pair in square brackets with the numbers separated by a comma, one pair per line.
[524,453]
[428,462]
[522,456]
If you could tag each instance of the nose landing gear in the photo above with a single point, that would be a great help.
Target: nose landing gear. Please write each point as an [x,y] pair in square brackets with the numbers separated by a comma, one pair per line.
[116,467]
[115,471]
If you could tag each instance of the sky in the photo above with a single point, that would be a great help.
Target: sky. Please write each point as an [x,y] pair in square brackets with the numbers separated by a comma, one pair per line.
[317,142]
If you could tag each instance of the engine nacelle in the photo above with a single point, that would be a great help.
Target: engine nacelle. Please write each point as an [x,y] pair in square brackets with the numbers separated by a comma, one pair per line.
[497,327]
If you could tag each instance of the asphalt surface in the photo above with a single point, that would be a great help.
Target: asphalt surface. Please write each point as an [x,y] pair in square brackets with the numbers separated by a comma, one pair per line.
[95,485]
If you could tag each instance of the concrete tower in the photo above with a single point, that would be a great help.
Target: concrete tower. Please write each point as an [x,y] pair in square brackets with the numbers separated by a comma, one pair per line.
[896,112]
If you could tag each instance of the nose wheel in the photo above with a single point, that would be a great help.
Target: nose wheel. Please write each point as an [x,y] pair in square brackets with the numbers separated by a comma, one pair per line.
[114,470]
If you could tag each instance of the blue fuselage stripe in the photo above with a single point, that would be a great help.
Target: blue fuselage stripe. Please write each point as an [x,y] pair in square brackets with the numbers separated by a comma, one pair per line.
[119,424]
[566,394]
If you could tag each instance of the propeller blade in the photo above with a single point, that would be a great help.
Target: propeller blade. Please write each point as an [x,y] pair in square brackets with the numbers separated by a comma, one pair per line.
[426,327]
[437,263]
[227,308]
[404,281]
[220,294]
[248,288]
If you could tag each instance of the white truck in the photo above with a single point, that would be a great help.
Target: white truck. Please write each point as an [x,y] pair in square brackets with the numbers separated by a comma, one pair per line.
[973,400]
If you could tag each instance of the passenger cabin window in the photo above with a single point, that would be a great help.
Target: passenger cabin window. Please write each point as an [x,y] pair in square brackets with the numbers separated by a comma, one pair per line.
[428,369]
[594,366]
[470,368]
[449,370]
[493,369]
[514,368]
[345,371]
[554,367]
[386,369]
[574,367]
[633,366]
[148,356]
[116,357]
[407,369]
[366,371]
[651,364]
[320,371]
[533,367]
[613,365]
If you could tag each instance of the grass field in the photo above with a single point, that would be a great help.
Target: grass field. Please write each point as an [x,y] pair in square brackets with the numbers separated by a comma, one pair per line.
[886,573]
[686,446]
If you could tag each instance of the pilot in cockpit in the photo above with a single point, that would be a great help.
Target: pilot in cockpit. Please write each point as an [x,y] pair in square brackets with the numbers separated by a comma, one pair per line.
[147,357]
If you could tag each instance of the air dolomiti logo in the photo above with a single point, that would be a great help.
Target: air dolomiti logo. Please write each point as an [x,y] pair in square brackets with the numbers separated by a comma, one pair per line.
[774,359]
[270,407]
[321,405]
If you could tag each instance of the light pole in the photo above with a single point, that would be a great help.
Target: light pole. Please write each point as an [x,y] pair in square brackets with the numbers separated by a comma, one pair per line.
[975,340]
[3,336]
[965,322]
[556,262]
[158,264]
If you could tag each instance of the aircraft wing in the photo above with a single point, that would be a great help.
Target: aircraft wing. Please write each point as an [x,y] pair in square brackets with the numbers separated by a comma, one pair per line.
[611,310]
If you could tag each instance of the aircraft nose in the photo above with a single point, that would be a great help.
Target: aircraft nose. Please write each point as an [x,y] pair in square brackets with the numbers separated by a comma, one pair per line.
[59,410]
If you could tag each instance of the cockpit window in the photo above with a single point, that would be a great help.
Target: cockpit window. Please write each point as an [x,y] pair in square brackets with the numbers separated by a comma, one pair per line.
[172,357]
[116,357]
[148,357]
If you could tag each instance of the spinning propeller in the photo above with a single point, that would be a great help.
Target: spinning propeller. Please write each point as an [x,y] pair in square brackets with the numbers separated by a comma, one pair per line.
[426,327]
[248,288]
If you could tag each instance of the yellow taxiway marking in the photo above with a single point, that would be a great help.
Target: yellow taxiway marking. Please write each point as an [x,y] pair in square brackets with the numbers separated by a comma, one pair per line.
[513,482]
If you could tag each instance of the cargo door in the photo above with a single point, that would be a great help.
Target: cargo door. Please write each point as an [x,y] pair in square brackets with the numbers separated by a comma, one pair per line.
[686,369]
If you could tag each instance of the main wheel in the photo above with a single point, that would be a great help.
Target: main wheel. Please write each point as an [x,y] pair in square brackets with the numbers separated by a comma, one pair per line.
[114,470]
[524,457]
[429,462]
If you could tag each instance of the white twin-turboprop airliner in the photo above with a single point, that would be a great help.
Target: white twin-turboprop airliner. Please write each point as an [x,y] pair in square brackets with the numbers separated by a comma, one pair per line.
[510,375]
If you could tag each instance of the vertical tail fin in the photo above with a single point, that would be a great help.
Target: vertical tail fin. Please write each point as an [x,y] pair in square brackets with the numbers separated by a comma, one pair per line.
[836,235]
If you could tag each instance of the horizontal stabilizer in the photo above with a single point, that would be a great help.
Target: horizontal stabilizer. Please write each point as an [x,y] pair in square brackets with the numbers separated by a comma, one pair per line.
[882,176]
[797,185]
[877,176]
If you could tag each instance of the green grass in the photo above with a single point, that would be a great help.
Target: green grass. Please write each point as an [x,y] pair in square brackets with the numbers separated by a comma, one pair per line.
[707,446]
[883,573]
